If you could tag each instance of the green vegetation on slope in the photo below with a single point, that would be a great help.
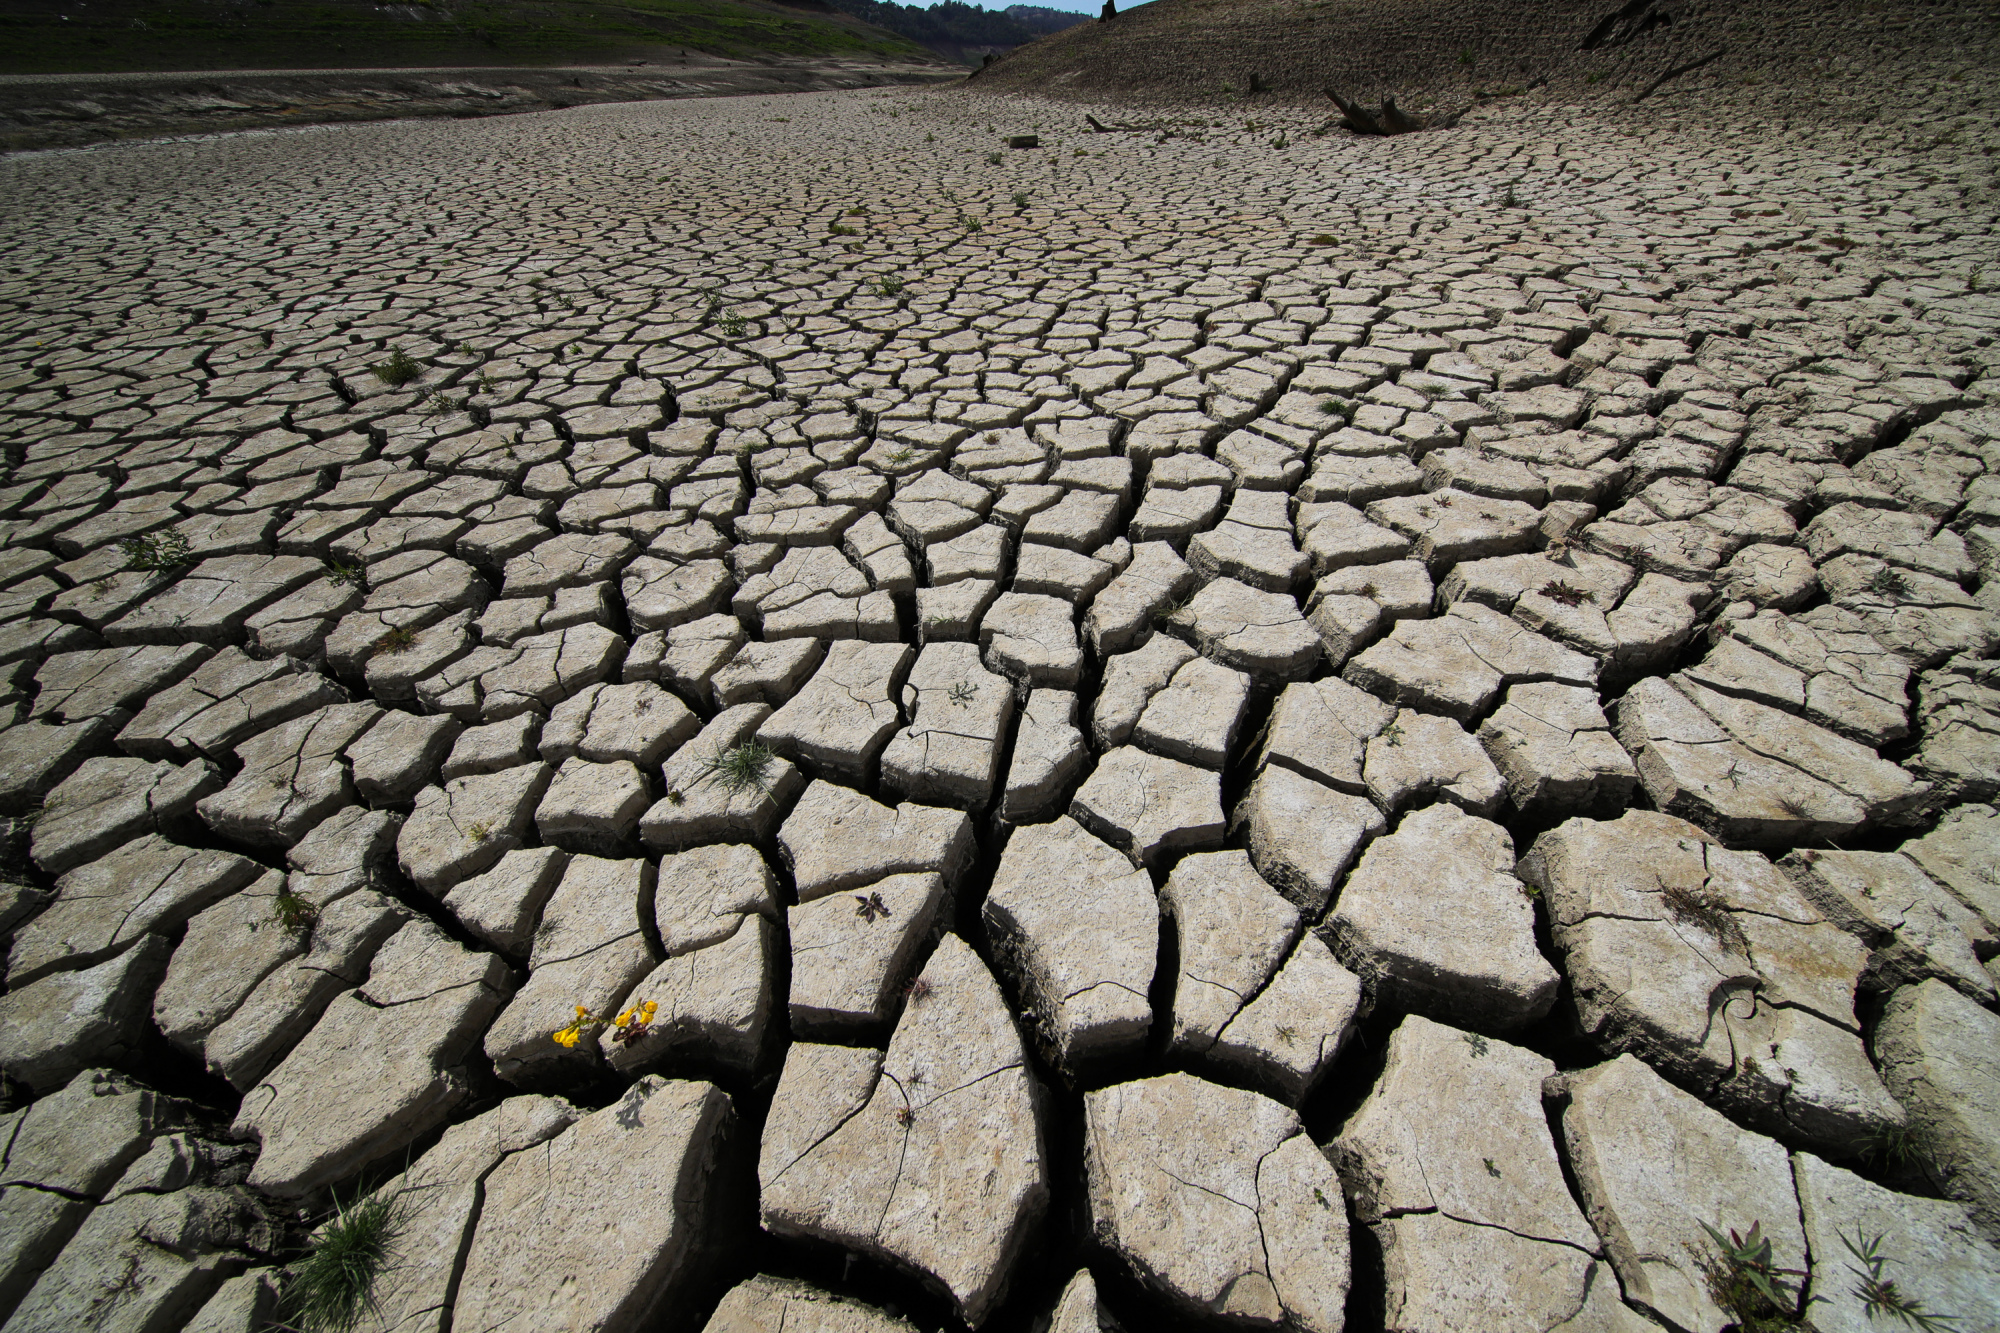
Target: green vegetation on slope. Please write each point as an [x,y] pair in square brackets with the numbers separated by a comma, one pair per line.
[957,31]
[108,36]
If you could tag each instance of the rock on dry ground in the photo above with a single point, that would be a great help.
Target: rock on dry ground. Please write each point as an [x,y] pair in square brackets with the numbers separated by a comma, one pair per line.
[770,711]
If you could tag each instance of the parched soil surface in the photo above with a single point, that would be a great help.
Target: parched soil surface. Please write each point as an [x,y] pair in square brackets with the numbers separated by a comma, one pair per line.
[768,712]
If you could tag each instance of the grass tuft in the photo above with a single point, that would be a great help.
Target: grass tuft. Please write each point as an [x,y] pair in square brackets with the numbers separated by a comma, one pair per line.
[333,1287]
[399,369]
[744,768]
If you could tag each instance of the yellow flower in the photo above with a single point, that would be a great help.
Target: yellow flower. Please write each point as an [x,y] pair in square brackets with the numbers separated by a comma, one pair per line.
[582,1012]
[567,1037]
[651,1009]
[625,1019]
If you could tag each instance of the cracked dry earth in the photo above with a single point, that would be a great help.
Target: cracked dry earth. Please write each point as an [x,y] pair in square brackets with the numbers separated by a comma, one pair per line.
[1180,733]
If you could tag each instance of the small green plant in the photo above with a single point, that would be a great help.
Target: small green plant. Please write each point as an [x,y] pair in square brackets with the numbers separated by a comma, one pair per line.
[870,907]
[340,572]
[1021,199]
[962,693]
[1466,58]
[295,914]
[1889,582]
[333,1287]
[1558,590]
[1476,1042]
[397,639]
[1281,142]
[1337,407]
[1491,1169]
[970,224]
[742,768]
[1324,238]
[479,831]
[732,325]
[1746,1281]
[156,551]
[1594,78]
[838,229]
[888,285]
[1895,1149]
[995,159]
[1287,1033]
[858,211]
[1393,734]
[398,369]
[902,455]
[1878,1295]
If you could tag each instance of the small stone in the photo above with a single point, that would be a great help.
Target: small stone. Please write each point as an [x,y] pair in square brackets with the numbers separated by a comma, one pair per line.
[930,1156]
[1940,1054]
[69,1021]
[503,905]
[379,1069]
[458,830]
[853,952]
[1150,807]
[1421,757]
[1654,1165]
[571,1227]
[1303,835]
[1215,1198]
[836,839]
[1079,927]
[1462,948]
[593,808]
[1049,753]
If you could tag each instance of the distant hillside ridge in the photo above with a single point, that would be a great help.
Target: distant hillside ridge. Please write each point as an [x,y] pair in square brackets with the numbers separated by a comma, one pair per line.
[961,32]
[1443,53]
[129,36]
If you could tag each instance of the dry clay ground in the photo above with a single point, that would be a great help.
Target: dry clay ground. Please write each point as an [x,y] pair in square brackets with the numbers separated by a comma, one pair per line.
[1209,726]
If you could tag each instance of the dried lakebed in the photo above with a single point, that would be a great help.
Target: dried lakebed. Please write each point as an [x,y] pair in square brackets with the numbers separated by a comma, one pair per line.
[1164,728]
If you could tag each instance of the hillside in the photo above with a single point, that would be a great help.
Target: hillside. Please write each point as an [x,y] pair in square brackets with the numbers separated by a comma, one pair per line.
[961,32]
[105,36]
[1449,52]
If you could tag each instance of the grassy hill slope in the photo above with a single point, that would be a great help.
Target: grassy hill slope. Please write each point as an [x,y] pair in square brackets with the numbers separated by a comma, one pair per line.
[107,36]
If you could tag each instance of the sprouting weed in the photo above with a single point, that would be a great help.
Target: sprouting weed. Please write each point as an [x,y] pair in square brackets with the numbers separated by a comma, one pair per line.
[295,914]
[1560,590]
[398,369]
[1336,407]
[156,551]
[969,224]
[1889,582]
[1893,1147]
[1020,200]
[1476,1042]
[1491,1169]
[902,455]
[627,1027]
[906,1116]
[888,285]
[995,159]
[962,693]
[732,325]
[871,907]
[840,229]
[1878,1295]
[742,768]
[1747,1282]
[918,991]
[339,572]
[1393,734]
[1530,891]
[1324,238]
[397,639]
[858,211]
[675,796]
[1319,1197]
[479,831]
[1287,1033]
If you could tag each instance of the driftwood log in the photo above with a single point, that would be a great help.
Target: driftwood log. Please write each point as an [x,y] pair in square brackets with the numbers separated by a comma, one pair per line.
[1391,119]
